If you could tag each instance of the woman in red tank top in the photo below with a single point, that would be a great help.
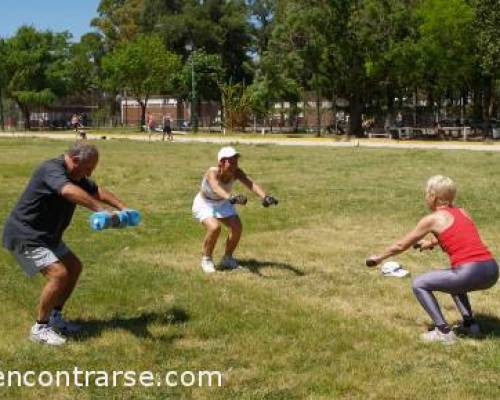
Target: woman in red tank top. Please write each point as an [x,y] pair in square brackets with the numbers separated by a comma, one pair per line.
[472,265]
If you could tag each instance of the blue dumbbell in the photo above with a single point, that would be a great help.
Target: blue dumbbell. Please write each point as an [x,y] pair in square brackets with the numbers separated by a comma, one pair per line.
[104,220]
[100,220]
[134,217]
[119,219]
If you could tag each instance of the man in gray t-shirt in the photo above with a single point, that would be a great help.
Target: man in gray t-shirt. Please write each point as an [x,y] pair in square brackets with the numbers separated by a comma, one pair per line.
[34,229]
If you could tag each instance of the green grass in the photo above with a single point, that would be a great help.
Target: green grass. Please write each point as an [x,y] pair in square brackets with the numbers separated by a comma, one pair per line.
[304,320]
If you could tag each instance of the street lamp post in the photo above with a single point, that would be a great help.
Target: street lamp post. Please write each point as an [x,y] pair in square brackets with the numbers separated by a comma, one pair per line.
[194,116]
[119,100]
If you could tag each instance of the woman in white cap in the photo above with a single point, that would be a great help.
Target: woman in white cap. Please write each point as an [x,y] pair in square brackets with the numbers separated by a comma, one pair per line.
[214,205]
[472,265]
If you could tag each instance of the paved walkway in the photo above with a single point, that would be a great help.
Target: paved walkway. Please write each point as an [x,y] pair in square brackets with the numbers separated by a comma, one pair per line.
[330,142]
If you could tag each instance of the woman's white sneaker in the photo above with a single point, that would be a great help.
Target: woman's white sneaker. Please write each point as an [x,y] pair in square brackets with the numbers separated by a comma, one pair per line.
[46,334]
[207,265]
[437,336]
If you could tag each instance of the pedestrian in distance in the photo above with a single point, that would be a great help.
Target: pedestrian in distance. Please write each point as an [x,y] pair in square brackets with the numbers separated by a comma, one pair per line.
[150,123]
[167,128]
[214,205]
[75,122]
[473,267]
[34,229]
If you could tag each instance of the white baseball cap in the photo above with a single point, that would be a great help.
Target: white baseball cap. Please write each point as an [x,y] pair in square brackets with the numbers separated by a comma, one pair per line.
[227,152]
[392,268]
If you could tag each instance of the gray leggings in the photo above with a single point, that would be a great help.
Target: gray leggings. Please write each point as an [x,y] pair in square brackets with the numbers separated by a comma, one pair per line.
[457,282]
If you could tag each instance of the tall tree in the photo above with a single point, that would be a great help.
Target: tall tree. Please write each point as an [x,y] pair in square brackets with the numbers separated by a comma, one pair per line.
[203,77]
[261,18]
[35,64]
[142,67]
[369,51]
[3,80]
[445,46]
[385,27]
[298,50]
[118,20]
[83,67]
[487,40]
[214,26]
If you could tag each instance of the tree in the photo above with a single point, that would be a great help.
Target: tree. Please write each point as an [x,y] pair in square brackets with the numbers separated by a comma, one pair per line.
[208,74]
[118,21]
[487,42]
[372,51]
[35,66]
[297,51]
[84,63]
[385,27]
[143,67]
[208,77]
[237,106]
[216,26]
[259,95]
[3,80]
[262,17]
[445,46]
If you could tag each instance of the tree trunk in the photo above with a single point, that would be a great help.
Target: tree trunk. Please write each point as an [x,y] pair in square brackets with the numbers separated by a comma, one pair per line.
[334,113]
[355,111]
[477,100]
[487,106]
[26,115]
[415,106]
[296,118]
[179,110]
[2,121]
[389,116]
[318,114]
[463,105]
[143,113]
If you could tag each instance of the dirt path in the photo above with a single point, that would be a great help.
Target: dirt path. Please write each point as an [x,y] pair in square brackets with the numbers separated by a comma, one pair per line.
[369,143]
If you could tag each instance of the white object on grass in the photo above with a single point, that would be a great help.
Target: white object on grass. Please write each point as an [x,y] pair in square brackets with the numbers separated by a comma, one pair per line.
[392,268]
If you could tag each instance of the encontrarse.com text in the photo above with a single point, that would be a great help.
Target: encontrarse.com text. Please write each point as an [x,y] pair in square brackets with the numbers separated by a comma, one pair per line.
[83,378]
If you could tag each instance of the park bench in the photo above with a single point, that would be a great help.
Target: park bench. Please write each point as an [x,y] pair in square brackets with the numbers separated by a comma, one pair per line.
[379,132]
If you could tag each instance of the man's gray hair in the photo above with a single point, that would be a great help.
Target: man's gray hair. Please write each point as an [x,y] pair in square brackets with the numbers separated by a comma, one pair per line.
[84,151]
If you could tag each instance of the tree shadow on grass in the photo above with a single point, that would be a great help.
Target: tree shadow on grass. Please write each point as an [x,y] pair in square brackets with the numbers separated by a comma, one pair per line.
[138,326]
[254,266]
[490,326]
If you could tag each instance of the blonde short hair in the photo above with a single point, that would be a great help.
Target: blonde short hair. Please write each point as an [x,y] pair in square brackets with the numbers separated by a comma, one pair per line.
[443,188]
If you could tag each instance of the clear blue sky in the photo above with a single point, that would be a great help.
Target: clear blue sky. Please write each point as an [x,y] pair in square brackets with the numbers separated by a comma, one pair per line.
[57,15]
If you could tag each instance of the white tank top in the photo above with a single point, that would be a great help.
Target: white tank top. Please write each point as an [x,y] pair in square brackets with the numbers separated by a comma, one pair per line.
[207,191]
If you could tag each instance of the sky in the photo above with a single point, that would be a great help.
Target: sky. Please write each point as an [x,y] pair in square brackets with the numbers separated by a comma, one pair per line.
[56,15]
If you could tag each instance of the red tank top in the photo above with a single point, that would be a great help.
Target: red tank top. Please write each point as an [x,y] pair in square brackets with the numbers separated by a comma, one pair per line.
[461,240]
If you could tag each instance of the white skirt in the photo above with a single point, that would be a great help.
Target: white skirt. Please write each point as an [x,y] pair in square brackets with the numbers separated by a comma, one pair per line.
[204,208]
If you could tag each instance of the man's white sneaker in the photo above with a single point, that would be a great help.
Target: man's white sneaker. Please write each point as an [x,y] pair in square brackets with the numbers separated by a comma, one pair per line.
[437,336]
[57,321]
[229,263]
[207,265]
[46,335]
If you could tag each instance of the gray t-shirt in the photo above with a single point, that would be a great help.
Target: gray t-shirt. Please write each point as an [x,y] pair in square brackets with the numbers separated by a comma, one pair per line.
[42,214]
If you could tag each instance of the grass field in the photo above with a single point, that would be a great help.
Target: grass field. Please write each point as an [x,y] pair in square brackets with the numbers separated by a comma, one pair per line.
[303,320]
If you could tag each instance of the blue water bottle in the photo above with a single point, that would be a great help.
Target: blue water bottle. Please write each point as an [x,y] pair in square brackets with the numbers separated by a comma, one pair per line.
[100,220]
[119,219]
[134,217]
